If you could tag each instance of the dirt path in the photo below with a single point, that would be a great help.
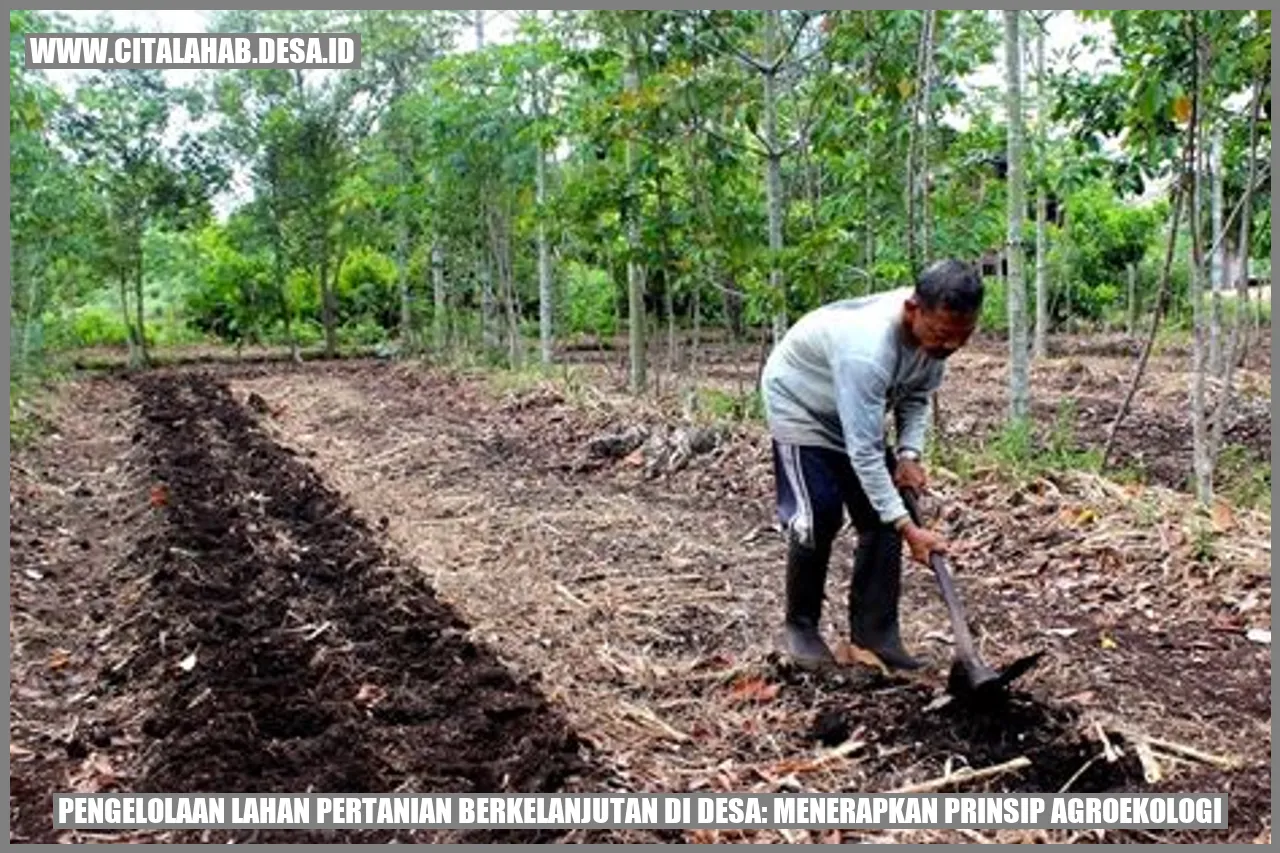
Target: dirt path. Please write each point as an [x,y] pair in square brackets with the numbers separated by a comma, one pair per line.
[249,635]
[647,608]
[77,501]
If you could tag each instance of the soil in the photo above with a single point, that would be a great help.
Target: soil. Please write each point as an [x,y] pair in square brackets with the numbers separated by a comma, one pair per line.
[279,648]
[399,578]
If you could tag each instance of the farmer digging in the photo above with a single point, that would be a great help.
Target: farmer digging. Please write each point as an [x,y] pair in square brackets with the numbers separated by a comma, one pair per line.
[828,387]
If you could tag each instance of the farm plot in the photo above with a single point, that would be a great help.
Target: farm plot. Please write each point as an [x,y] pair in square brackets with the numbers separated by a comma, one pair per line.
[374,577]
[255,637]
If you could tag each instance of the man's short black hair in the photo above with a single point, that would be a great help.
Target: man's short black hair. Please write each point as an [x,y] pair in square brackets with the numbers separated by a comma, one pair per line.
[951,285]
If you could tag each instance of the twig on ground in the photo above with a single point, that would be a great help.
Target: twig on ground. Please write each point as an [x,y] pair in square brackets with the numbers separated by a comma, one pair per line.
[1218,761]
[1151,770]
[644,715]
[964,775]
[1108,749]
[1083,768]
[577,602]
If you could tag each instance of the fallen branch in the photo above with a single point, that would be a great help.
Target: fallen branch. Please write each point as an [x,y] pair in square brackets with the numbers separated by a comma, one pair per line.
[1218,761]
[965,775]
[644,715]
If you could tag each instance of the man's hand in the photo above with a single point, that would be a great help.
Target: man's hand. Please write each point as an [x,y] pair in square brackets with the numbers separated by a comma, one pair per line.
[923,542]
[909,474]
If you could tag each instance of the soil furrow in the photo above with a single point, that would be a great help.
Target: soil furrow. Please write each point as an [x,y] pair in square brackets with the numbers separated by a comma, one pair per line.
[295,654]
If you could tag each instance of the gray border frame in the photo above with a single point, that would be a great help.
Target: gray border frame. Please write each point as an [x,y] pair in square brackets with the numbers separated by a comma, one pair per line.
[7,259]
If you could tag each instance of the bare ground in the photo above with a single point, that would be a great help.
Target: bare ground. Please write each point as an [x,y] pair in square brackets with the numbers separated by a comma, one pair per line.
[631,603]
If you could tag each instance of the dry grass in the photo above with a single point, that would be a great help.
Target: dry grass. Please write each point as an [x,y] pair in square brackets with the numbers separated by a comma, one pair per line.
[647,605]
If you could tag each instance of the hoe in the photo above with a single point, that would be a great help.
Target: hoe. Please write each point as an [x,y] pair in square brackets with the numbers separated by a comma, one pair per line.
[971,680]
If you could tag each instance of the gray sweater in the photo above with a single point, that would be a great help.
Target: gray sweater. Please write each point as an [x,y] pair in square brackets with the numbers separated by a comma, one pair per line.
[835,376]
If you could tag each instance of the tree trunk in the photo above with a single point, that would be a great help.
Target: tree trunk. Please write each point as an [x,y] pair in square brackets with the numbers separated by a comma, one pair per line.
[920,186]
[669,309]
[1223,409]
[668,285]
[1040,347]
[286,307]
[1162,299]
[515,342]
[696,343]
[439,302]
[926,214]
[130,336]
[868,227]
[1131,305]
[635,273]
[1217,274]
[407,338]
[488,329]
[1202,464]
[546,303]
[500,250]
[139,309]
[1065,273]
[329,305]
[31,319]
[731,301]
[773,172]
[913,127]
[1019,383]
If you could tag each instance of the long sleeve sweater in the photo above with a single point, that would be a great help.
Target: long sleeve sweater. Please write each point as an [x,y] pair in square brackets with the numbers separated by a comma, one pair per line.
[835,376]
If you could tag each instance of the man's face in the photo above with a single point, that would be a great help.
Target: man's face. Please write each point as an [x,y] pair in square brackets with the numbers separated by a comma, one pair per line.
[939,332]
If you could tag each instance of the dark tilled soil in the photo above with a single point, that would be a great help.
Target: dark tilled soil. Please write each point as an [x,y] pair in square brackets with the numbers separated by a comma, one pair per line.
[899,724]
[283,650]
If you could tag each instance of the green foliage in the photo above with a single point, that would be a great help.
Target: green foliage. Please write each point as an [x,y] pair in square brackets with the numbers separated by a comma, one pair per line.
[93,326]
[1105,236]
[354,178]
[1204,548]
[367,291]
[364,332]
[748,406]
[995,306]
[590,301]
[1244,478]
[25,423]
[1018,452]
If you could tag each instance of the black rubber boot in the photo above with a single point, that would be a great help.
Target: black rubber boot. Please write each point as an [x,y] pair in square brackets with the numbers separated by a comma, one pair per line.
[873,598]
[806,583]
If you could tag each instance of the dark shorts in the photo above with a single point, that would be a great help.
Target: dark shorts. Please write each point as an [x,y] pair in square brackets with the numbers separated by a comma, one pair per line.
[815,486]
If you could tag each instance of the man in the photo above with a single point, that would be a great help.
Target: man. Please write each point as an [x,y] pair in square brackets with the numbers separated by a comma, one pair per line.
[828,386]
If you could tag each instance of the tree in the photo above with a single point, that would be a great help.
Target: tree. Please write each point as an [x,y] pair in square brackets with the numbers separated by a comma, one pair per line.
[1019,390]
[118,130]
[635,272]
[917,150]
[1173,60]
[1040,345]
